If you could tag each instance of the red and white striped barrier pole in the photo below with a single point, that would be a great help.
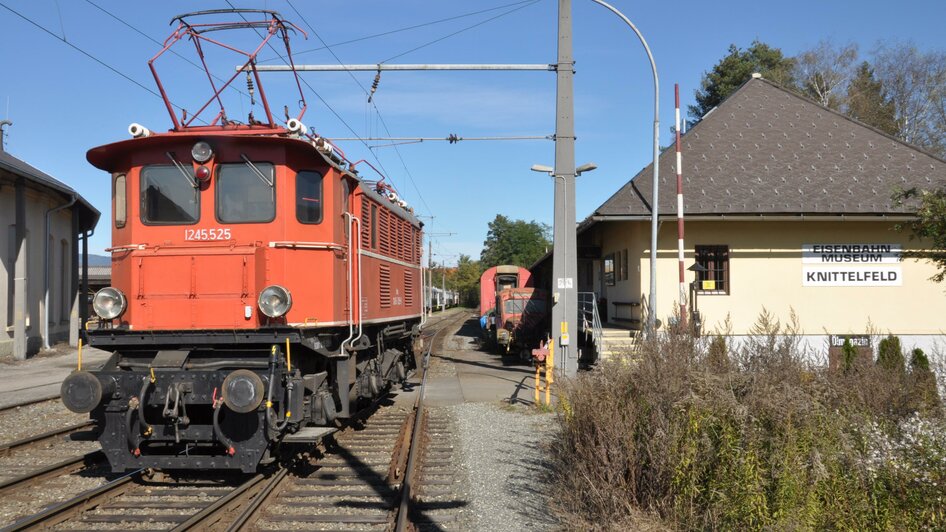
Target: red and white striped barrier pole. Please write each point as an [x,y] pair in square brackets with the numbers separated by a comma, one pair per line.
[683,286]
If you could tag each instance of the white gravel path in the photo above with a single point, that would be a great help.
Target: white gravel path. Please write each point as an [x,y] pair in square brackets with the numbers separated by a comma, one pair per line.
[503,455]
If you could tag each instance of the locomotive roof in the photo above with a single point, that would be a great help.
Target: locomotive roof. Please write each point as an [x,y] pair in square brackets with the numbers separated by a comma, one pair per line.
[108,157]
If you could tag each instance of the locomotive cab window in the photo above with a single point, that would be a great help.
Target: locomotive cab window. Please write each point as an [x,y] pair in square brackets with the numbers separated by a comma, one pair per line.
[121,212]
[245,193]
[167,197]
[309,197]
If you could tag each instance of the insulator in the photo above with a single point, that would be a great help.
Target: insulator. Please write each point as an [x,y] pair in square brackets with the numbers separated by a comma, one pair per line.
[250,89]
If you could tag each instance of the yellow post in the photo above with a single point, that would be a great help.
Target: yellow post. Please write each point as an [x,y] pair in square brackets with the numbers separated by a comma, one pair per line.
[549,374]
[288,358]
[538,384]
[79,368]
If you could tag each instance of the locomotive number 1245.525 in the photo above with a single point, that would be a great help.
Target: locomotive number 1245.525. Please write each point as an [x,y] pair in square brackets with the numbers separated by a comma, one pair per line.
[207,234]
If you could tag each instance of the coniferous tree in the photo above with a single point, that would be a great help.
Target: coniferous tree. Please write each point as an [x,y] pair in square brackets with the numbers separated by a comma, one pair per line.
[868,102]
[735,69]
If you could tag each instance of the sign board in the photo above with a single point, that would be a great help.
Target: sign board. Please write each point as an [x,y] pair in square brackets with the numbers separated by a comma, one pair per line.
[709,285]
[873,276]
[862,344]
[565,282]
[857,340]
[855,264]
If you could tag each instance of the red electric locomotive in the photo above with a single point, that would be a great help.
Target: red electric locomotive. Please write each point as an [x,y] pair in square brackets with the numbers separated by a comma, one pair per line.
[259,284]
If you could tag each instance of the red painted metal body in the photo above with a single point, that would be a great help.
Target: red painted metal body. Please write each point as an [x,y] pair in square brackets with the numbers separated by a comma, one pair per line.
[498,278]
[212,226]
[206,274]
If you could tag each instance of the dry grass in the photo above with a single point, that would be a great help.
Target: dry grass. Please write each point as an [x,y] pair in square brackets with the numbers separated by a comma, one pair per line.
[698,434]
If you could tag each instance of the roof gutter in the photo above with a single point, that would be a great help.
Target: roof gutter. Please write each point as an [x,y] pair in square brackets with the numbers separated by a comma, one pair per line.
[45,323]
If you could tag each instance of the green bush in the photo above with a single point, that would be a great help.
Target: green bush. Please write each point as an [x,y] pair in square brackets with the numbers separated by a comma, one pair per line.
[671,442]
[890,355]
[848,356]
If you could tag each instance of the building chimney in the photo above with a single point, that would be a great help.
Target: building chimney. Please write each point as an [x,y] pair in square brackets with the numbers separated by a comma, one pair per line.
[3,123]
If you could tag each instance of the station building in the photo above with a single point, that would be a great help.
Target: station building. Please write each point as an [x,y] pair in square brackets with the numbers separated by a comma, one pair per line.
[41,223]
[789,208]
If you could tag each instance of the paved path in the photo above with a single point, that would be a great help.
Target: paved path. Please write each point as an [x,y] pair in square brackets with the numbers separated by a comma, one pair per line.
[464,373]
[41,377]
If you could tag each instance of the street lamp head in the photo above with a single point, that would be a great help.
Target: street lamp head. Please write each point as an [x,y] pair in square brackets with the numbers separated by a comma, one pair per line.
[542,168]
[587,167]
[698,268]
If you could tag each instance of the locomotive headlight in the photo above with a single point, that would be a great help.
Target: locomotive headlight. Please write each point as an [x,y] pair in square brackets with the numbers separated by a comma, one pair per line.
[274,301]
[242,391]
[202,152]
[109,303]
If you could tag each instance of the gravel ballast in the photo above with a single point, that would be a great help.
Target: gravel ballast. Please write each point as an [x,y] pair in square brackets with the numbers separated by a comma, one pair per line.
[503,454]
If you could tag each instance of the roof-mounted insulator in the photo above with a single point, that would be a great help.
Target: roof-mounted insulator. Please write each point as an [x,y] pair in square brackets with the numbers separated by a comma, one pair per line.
[249,88]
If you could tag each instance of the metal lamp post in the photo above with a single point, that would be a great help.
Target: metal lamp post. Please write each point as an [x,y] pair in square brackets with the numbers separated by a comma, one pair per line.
[652,301]
[564,302]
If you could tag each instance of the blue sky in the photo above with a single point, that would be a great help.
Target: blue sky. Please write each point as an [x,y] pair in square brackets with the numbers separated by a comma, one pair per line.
[62,102]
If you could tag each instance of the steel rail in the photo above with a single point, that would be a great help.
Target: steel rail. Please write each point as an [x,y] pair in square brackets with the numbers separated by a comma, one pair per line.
[403,510]
[60,512]
[201,520]
[29,402]
[266,493]
[5,448]
[66,466]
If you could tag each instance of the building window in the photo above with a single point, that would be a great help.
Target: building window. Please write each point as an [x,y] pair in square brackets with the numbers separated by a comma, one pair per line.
[624,265]
[715,279]
[243,195]
[11,272]
[66,289]
[309,197]
[48,307]
[609,270]
[121,211]
[167,197]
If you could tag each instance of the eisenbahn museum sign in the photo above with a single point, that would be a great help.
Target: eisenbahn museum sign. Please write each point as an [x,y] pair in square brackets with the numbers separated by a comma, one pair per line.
[854,264]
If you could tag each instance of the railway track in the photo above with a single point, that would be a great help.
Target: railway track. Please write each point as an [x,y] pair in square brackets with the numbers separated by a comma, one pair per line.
[14,406]
[369,476]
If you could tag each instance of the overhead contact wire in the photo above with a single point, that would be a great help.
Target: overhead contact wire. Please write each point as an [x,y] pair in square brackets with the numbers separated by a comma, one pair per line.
[373,104]
[87,54]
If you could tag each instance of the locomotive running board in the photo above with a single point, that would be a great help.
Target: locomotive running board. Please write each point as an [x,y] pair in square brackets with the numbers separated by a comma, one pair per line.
[309,435]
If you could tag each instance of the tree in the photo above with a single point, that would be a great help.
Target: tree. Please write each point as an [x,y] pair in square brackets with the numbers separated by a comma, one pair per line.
[735,69]
[867,101]
[514,242]
[467,280]
[824,72]
[915,82]
[929,226]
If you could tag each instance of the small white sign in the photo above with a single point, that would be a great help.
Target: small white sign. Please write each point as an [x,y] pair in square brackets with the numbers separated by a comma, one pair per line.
[861,276]
[565,282]
[851,254]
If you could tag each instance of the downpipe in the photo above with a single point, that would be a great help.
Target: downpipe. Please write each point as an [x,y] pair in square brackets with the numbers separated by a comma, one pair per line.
[45,324]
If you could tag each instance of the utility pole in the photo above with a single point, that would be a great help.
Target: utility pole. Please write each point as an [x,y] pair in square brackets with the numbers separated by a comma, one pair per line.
[430,265]
[564,254]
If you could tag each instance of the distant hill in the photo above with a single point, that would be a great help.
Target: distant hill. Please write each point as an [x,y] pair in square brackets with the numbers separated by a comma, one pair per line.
[99,260]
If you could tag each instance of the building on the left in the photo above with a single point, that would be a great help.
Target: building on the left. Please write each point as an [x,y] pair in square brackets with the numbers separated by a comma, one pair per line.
[44,227]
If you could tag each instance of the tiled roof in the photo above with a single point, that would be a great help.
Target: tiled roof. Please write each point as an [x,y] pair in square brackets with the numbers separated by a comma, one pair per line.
[100,273]
[89,215]
[766,150]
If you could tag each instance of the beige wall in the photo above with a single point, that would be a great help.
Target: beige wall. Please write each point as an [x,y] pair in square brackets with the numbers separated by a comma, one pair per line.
[766,271]
[60,229]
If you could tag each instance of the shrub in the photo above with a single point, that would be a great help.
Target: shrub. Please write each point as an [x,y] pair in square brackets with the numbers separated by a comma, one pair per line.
[890,354]
[771,443]
[848,356]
